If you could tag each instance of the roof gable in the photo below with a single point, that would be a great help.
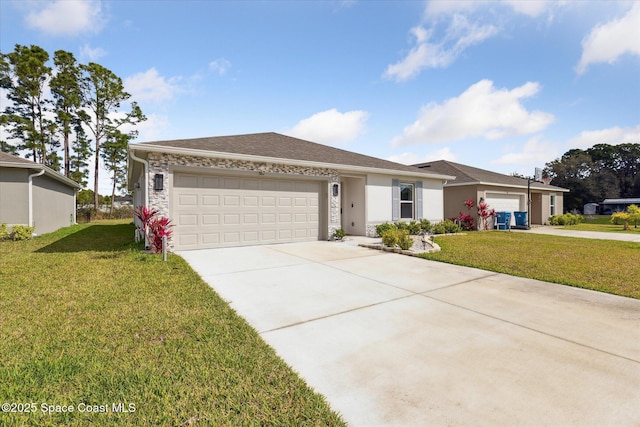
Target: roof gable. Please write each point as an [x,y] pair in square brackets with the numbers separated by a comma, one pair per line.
[471,175]
[276,146]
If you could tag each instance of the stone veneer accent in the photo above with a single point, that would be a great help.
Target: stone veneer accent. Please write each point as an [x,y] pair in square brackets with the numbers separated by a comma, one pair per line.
[161,162]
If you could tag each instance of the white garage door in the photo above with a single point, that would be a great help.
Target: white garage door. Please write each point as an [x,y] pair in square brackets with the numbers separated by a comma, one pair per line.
[211,211]
[506,202]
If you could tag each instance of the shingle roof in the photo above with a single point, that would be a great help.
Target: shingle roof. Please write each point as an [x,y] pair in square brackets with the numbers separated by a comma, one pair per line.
[10,158]
[279,146]
[469,174]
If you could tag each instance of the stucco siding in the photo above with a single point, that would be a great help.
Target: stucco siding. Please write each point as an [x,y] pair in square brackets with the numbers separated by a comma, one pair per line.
[432,200]
[53,205]
[378,196]
[454,198]
[14,196]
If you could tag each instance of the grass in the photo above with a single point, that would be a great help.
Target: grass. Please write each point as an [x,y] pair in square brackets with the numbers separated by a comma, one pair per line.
[601,265]
[89,319]
[601,223]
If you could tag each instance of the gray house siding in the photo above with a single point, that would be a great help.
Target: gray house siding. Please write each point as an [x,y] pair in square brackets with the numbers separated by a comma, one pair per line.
[14,196]
[53,204]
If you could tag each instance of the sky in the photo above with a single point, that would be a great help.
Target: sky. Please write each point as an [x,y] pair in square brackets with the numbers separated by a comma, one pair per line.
[501,85]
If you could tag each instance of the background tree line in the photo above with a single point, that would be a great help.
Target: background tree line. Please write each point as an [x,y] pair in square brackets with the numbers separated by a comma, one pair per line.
[67,114]
[597,173]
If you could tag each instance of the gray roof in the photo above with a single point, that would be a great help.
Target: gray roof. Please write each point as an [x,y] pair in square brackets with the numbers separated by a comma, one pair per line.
[9,160]
[471,175]
[275,145]
[621,201]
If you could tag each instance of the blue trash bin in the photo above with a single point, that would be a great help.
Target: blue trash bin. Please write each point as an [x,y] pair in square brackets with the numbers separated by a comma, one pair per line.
[521,218]
[503,220]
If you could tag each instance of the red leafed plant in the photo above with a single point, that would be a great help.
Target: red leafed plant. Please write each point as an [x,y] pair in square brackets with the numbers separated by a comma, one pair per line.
[469,204]
[160,227]
[153,228]
[485,214]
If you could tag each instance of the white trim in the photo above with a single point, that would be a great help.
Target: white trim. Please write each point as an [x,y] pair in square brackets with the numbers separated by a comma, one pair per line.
[50,172]
[145,171]
[495,184]
[278,160]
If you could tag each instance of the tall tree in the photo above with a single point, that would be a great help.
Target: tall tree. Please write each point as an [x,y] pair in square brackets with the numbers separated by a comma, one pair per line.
[81,153]
[600,172]
[26,75]
[114,154]
[65,88]
[103,93]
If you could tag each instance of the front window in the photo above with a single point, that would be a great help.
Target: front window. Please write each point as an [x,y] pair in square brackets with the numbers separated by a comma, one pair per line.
[552,204]
[406,201]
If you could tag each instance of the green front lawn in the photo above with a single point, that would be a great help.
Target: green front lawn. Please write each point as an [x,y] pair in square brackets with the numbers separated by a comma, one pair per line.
[602,265]
[608,228]
[88,320]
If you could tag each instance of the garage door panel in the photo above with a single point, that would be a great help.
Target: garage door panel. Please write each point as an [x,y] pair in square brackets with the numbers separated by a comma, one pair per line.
[210,182]
[216,211]
[187,181]
[210,200]
[210,219]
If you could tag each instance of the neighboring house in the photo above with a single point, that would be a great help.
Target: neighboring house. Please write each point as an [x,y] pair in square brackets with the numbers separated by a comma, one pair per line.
[269,188]
[501,192]
[609,206]
[35,195]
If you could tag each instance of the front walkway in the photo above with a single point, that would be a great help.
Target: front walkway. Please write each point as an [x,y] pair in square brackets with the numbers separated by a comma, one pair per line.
[558,231]
[393,340]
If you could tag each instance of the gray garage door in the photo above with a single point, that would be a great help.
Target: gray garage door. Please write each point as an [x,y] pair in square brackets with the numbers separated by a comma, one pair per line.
[212,211]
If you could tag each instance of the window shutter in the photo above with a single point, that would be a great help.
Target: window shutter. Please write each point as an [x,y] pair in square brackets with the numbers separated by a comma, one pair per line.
[395,200]
[419,200]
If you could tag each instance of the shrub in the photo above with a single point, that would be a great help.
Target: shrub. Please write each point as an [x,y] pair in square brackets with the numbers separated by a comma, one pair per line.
[390,237]
[400,225]
[566,219]
[339,234]
[4,231]
[445,227]
[159,228]
[405,241]
[425,225]
[414,228]
[466,221]
[22,232]
[381,228]
[395,237]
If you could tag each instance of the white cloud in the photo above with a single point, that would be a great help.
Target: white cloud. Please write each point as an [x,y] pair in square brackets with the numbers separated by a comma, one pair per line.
[459,35]
[154,128]
[91,54]
[220,66]
[534,151]
[480,111]
[611,136]
[67,17]
[532,8]
[331,127]
[407,158]
[150,86]
[607,42]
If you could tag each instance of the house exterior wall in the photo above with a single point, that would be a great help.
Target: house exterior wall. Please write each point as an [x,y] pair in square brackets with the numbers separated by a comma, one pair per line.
[53,204]
[353,205]
[454,198]
[163,163]
[14,196]
[379,199]
[432,200]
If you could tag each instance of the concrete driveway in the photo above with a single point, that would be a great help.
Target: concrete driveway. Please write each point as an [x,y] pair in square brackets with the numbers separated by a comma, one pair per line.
[392,340]
[559,231]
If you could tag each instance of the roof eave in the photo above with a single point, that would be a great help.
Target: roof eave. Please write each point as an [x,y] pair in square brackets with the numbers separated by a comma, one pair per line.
[295,162]
[48,171]
[495,184]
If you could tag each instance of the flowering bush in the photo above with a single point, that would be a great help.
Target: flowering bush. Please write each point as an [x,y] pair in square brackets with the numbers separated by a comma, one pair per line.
[160,227]
[466,221]
[485,214]
[153,228]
